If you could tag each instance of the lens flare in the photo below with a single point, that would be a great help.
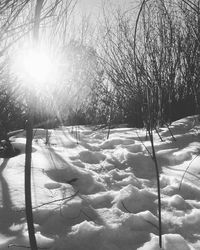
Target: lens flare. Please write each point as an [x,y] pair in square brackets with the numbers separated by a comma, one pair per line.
[35,69]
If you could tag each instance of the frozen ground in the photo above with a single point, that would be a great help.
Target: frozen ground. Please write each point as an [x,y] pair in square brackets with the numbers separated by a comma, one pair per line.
[101,194]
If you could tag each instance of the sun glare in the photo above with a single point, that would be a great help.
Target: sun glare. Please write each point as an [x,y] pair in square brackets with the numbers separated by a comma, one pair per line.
[35,68]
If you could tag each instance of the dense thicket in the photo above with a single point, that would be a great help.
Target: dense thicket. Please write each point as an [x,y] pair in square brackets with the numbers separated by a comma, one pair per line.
[131,74]
[155,66]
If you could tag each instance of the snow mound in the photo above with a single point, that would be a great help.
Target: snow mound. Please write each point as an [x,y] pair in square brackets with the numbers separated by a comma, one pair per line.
[64,215]
[112,143]
[191,222]
[181,126]
[142,165]
[101,200]
[173,156]
[123,178]
[80,179]
[89,146]
[176,201]
[133,200]
[84,235]
[171,241]
[91,157]
[135,148]
[186,190]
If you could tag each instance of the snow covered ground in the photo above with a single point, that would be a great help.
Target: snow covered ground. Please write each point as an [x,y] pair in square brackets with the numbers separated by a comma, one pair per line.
[101,194]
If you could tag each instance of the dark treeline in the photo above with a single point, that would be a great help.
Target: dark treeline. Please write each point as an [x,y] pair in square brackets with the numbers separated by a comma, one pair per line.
[154,65]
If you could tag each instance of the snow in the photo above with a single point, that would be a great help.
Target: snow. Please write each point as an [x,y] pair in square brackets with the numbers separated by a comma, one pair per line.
[94,193]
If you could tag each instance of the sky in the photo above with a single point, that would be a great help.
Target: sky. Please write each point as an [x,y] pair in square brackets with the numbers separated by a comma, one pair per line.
[94,6]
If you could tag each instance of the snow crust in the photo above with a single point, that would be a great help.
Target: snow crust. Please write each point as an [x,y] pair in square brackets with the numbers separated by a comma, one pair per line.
[93,193]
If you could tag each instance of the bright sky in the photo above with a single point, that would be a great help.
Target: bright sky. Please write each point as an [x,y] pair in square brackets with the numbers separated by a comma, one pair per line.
[92,6]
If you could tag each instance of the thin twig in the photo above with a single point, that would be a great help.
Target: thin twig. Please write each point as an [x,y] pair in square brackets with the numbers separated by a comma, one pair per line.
[170,132]
[158,186]
[125,207]
[159,135]
[47,203]
[187,170]
[66,217]
[15,245]
[144,144]
[86,215]
[151,223]
[62,199]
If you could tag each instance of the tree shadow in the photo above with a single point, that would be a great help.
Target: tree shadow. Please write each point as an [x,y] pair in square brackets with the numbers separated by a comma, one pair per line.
[57,159]
[8,215]
[62,168]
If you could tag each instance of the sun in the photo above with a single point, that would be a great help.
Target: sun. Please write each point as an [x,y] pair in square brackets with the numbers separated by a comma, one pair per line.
[35,68]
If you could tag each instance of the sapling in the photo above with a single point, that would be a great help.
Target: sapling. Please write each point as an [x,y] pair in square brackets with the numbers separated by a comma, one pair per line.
[157,131]
[150,120]
[150,126]
[150,132]
[47,135]
[170,132]
[28,196]
[186,170]
[29,139]
[109,123]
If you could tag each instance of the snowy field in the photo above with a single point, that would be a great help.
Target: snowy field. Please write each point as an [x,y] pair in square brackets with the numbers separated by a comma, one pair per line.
[90,193]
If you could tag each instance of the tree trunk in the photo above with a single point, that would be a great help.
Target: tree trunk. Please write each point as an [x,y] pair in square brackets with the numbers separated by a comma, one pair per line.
[29,138]
[28,199]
